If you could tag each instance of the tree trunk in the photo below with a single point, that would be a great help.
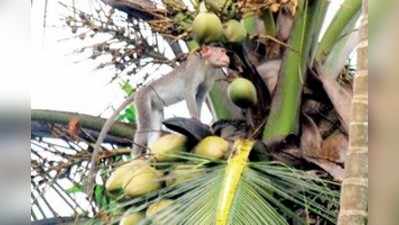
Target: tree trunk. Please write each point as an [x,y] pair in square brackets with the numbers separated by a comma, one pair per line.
[354,193]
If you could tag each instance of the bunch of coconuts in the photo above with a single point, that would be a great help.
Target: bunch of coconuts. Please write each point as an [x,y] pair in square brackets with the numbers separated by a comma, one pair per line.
[207,27]
[139,177]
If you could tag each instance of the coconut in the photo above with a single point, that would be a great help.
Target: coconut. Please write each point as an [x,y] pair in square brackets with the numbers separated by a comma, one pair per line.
[215,5]
[234,31]
[212,147]
[141,181]
[167,146]
[131,219]
[182,173]
[117,178]
[242,92]
[207,27]
[249,23]
[157,207]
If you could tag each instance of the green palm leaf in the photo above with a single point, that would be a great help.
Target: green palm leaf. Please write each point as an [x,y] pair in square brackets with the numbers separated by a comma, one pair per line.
[240,192]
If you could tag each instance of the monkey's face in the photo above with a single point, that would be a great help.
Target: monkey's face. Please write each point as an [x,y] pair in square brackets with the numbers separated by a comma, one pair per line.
[216,56]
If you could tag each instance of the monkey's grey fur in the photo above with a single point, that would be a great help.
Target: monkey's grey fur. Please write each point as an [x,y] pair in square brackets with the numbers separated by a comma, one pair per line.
[190,81]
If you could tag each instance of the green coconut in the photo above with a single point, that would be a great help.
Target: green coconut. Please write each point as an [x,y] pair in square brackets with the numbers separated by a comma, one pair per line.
[117,178]
[141,181]
[249,23]
[242,93]
[158,206]
[212,147]
[207,27]
[132,219]
[234,31]
[183,173]
[167,146]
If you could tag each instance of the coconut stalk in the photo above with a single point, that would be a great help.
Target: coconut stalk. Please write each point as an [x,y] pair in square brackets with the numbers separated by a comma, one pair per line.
[319,16]
[233,172]
[348,10]
[284,114]
[354,193]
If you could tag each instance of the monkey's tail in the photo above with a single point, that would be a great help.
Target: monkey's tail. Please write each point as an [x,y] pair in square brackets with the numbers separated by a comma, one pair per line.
[97,146]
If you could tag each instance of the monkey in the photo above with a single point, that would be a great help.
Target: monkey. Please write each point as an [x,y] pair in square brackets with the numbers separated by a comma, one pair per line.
[190,81]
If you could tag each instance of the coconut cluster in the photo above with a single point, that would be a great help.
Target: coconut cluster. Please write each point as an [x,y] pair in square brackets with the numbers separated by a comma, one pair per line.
[137,217]
[139,177]
[207,27]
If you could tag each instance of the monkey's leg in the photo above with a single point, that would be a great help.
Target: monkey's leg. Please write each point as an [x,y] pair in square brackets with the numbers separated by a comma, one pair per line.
[144,120]
[155,133]
[190,96]
[200,98]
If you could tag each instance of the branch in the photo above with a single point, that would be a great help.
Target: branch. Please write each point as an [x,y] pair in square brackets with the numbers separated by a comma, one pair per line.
[119,129]
[139,9]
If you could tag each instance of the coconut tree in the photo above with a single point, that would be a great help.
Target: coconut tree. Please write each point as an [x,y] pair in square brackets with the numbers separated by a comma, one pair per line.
[354,193]
[274,153]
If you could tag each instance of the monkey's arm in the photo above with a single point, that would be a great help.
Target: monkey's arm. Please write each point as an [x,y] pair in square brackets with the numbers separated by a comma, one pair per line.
[97,146]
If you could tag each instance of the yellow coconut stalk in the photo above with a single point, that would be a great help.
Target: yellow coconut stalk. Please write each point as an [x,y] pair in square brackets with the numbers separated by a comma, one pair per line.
[233,172]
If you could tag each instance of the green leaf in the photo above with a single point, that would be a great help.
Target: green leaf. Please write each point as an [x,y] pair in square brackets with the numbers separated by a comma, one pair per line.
[75,189]
[267,193]
[99,196]
[348,10]
[318,21]
[127,87]
[128,115]
[339,55]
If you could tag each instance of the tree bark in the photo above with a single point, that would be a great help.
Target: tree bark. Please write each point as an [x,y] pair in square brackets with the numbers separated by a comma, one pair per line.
[354,193]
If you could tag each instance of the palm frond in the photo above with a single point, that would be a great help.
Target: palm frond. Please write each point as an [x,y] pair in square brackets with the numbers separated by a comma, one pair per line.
[349,9]
[239,192]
